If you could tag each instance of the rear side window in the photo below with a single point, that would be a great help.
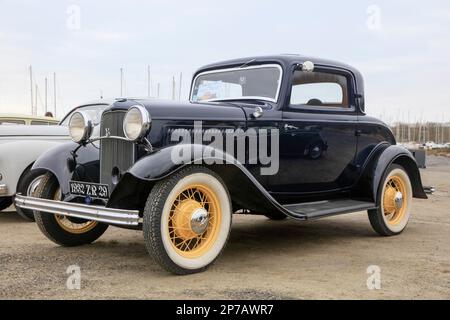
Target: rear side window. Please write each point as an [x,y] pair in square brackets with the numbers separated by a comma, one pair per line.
[6,122]
[41,123]
[319,89]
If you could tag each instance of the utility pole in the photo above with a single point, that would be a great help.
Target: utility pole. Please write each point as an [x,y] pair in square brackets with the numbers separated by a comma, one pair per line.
[46,101]
[149,85]
[31,89]
[157,90]
[179,89]
[54,93]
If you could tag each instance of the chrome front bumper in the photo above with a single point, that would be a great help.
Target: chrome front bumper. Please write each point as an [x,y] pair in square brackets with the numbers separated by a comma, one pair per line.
[3,189]
[78,210]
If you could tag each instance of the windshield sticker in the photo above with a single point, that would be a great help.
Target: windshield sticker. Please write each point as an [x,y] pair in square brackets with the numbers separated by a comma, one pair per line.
[208,90]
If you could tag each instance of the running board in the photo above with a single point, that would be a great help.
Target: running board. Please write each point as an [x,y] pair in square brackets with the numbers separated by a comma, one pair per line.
[320,209]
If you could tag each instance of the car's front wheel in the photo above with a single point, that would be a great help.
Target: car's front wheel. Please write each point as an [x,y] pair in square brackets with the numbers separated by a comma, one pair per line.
[63,230]
[395,197]
[187,220]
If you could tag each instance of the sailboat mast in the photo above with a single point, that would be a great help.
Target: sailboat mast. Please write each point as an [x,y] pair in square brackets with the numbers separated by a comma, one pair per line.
[149,87]
[121,82]
[46,100]
[31,89]
[173,87]
[54,93]
[179,91]
[35,101]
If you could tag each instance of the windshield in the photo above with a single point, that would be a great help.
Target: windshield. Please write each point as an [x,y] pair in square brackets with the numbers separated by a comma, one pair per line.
[255,82]
[94,112]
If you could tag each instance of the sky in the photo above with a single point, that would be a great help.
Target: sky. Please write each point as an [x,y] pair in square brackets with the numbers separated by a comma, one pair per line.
[401,47]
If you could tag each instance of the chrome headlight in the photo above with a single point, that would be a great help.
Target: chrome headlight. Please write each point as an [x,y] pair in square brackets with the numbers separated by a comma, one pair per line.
[136,123]
[80,127]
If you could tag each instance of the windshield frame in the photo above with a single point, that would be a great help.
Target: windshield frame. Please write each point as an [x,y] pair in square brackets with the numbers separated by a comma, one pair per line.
[221,70]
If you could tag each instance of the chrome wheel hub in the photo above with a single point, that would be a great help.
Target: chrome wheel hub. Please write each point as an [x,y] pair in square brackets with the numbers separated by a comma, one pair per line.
[398,200]
[199,220]
[33,185]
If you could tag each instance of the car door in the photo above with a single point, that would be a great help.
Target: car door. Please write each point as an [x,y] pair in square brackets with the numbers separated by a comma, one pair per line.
[318,133]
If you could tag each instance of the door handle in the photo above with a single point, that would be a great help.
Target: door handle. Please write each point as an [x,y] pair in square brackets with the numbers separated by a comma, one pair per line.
[358,132]
[289,127]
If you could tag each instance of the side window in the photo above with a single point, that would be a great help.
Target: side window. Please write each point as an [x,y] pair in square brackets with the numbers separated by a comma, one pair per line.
[6,122]
[41,123]
[319,89]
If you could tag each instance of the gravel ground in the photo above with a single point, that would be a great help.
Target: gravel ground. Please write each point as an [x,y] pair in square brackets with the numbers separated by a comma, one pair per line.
[324,259]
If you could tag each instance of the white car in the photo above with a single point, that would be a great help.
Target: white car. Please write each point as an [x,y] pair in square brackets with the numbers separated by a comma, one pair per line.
[21,145]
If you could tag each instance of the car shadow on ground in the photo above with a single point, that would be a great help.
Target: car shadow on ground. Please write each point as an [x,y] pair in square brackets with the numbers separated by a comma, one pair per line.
[266,235]
[249,235]
[12,218]
[258,237]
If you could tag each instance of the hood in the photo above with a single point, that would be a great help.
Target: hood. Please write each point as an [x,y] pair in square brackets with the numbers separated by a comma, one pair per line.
[174,110]
[32,131]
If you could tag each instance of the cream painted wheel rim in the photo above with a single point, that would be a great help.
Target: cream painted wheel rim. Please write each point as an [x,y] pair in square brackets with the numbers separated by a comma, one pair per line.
[185,242]
[396,201]
[69,226]
[192,238]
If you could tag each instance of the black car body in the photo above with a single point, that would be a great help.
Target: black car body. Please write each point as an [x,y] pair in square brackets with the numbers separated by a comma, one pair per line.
[333,157]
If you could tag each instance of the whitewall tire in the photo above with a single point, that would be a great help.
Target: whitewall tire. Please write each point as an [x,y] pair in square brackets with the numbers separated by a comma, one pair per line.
[394,197]
[187,220]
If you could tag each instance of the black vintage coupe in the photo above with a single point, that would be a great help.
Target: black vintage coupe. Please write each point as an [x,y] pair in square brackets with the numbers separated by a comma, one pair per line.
[282,136]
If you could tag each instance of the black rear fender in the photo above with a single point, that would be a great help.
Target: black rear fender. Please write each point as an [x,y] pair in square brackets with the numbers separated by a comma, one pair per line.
[374,171]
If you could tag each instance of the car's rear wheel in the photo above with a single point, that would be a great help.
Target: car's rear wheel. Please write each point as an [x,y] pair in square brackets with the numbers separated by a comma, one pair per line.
[63,230]
[27,186]
[187,220]
[395,197]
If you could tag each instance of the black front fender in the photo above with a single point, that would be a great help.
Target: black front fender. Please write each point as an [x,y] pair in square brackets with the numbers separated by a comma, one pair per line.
[136,184]
[56,161]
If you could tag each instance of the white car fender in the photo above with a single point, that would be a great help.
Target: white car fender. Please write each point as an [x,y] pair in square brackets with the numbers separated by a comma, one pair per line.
[17,156]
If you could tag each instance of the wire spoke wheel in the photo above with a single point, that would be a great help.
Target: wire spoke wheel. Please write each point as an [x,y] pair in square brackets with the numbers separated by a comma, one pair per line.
[187,220]
[193,220]
[63,230]
[75,226]
[394,206]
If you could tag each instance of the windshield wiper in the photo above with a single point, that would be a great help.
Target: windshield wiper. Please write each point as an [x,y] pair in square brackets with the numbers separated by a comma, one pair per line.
[247,63]
[248,100]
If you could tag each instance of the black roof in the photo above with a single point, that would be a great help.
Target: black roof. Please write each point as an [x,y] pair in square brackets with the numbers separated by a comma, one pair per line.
[284,59]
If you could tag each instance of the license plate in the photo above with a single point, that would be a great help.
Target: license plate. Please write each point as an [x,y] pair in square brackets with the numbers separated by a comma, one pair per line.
[88,189]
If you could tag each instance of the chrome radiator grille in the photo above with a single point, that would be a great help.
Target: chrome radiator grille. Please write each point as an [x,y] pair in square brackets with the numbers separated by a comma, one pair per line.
[114,154]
